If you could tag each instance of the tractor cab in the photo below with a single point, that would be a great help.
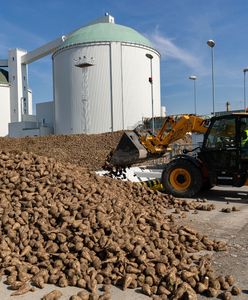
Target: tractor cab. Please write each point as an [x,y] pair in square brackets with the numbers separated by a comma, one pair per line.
[224,151]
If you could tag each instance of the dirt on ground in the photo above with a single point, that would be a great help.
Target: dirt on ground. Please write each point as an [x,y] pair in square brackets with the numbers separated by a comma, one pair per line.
[88,151]
[63,226]
[228,222]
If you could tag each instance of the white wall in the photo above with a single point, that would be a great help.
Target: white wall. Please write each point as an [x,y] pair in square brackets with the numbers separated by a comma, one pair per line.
[111,95]
[23,129]
[136,85]
[45,113]
[29,118]
[19,99]
[30,102]
[82,95]
[5,109]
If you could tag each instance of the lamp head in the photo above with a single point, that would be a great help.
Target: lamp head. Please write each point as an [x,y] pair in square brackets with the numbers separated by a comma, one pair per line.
[211,43]
[192,77]
[149,55]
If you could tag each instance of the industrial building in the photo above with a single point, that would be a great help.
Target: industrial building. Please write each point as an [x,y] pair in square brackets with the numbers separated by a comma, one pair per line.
[106,77]
[5,102]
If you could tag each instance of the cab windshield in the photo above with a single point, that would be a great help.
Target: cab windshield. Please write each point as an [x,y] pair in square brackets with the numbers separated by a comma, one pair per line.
[222,134]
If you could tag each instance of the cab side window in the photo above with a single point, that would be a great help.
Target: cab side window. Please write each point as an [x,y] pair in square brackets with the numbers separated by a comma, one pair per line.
[244,137]
[222,135]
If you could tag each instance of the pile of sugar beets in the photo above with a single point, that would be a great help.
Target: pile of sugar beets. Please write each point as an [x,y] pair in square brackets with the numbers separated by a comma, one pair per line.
[63,225]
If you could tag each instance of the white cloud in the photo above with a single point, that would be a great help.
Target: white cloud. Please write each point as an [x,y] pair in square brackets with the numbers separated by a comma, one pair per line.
[14,36]
[169,50]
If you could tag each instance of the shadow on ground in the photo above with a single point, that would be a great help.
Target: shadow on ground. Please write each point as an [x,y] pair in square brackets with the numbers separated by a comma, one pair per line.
[230,195]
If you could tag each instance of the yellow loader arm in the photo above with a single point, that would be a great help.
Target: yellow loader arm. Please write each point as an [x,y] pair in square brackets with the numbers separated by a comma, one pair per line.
[134,148]
[171,131]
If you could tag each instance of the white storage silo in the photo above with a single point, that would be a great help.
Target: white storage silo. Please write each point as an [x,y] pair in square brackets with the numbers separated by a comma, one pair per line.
[5,102]
[101,80]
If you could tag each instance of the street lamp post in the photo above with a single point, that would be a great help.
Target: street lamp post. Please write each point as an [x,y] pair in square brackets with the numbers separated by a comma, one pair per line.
[192,77]
[148,55]
[211,44]
[245,70]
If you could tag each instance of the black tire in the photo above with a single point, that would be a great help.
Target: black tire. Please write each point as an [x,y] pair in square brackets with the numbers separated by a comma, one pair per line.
[206,186]
[182,178]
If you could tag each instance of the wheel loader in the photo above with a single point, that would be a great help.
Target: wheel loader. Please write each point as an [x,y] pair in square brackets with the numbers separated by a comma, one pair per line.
[221,160]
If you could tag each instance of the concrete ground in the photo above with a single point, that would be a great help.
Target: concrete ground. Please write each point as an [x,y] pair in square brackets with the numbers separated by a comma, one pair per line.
[231,227]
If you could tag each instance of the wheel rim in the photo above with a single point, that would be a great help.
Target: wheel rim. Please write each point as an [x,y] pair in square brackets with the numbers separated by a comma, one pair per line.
[180,179]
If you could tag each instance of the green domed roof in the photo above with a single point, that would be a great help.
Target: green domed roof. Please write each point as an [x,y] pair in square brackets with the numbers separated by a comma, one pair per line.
[105,32]
[4,76]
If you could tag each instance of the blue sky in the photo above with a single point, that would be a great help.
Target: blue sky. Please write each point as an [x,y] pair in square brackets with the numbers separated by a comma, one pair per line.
[179,29]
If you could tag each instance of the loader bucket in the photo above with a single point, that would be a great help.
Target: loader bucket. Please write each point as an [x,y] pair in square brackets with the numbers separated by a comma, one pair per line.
[129,151]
